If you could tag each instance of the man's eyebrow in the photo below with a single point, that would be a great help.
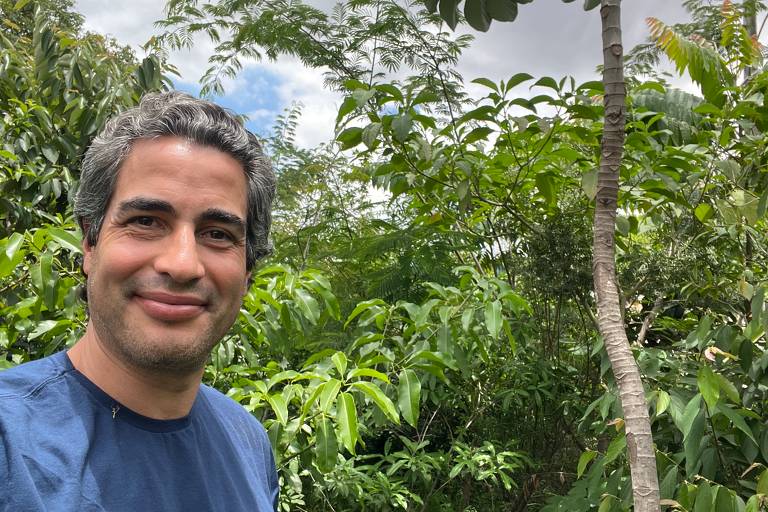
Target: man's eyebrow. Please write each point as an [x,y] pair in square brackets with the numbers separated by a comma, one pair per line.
[222,216]
[145,204]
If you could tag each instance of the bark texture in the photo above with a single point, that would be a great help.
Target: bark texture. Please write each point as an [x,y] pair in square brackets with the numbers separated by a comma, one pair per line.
[642,460]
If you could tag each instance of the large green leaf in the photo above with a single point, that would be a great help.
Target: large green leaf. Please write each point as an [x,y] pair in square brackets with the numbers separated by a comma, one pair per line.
[409,396]
[709,386]
[383,402]
[737,420]
[476,15]
[449,13]
[493,318]
[501,10]
[401,127]
[346,419]
[328,395]
[307,305]
[280,408]
[326,446]
[12,253]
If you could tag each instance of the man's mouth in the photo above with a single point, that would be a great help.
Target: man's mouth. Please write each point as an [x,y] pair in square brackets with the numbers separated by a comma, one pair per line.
[169,307]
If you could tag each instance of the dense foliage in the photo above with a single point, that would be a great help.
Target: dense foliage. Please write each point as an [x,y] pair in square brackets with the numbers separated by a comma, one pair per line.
[439,351]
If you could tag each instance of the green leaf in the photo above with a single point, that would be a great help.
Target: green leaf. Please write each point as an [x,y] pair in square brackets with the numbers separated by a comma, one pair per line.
[737,420]
[281,376]
[591,4]
[762,483]
[449,13]
[350,137]
[330,390]
[669,483]
[589,183]
[689,414]
[754,504]
[340,361]
[703,498]
[662,402]
[361,96]
[545,184]
[476,15]
[392,91]
[51,154]
[312,398]
[616,448]
[728,388]
[584,459]
[704,212]
[762,204]
[278,405]
[12,254]
[501,10]
[363,306]
[466,319]
[725,500]
[371,134]
[493,318]
[709,386]
[373,392]
[326,446]
[482,113]
[348,105]
[547,81]
[367,372]
[486,82]
[20,5]
[479,133]
[307,305]
[42,328]
[409,396]
[67,239]
[764,444]
[517,79]
[622,225]
[401,127]
[346,419]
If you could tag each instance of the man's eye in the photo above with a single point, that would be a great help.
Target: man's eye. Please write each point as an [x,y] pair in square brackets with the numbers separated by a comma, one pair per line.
[219,235]
[142,220]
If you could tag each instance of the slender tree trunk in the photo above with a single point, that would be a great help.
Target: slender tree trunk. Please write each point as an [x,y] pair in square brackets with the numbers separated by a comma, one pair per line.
[642,460]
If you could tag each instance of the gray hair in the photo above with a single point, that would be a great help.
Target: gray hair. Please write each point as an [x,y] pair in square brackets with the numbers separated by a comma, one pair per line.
[180,115]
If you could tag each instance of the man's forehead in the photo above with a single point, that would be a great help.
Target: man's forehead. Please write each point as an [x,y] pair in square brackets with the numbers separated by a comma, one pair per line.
[181,169]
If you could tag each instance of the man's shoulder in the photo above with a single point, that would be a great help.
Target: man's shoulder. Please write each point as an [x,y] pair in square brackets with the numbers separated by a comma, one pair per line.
[26,379]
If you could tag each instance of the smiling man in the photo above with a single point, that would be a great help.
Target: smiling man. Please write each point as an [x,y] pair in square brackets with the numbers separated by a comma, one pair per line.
[174,204]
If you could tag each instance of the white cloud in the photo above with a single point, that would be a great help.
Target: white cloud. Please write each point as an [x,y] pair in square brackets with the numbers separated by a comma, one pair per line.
[549,38]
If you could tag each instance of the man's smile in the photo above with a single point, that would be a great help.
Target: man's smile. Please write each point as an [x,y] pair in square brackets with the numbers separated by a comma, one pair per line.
[170,307]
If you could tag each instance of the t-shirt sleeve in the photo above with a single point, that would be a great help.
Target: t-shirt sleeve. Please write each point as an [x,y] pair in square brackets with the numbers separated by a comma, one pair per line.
[274,483]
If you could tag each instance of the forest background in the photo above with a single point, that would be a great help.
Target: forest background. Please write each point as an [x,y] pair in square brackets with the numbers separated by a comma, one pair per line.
[439,350]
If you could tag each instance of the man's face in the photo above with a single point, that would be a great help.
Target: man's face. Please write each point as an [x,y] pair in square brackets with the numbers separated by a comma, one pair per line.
[167,275]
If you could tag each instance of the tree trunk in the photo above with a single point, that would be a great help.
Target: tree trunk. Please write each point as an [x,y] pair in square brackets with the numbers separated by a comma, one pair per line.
[642,460]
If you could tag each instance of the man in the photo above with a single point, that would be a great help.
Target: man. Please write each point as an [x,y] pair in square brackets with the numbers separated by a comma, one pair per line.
[174,204]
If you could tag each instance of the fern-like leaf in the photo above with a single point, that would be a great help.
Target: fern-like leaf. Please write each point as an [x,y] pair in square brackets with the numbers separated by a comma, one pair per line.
[696,55]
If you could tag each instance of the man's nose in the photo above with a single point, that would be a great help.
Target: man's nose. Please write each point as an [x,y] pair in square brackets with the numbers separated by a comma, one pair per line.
[179,256]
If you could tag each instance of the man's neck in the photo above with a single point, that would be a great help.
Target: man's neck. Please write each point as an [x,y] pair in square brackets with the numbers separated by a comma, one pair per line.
[161,397]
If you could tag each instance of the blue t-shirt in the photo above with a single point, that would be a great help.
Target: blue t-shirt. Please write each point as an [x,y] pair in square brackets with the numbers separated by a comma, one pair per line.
[65,445]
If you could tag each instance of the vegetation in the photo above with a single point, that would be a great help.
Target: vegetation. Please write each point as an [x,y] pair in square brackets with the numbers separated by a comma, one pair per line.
[441,351]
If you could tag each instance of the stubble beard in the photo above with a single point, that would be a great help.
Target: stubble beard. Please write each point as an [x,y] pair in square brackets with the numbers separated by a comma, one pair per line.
[174,354]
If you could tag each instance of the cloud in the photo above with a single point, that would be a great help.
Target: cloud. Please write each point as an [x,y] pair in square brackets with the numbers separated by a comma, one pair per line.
[549,38]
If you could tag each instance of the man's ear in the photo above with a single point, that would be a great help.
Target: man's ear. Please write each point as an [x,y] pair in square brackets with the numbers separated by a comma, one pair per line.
[87,250]
[247,284]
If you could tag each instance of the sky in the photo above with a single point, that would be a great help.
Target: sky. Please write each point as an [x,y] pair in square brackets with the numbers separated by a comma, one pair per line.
[549,38]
